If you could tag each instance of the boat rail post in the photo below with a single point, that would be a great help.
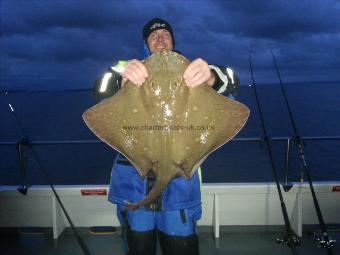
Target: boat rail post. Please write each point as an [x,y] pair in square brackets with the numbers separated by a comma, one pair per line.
[216,222]
[58,224]
[287,185]
[23,143]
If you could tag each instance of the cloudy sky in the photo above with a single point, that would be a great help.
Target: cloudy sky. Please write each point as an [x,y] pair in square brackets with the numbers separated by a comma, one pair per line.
[47,44]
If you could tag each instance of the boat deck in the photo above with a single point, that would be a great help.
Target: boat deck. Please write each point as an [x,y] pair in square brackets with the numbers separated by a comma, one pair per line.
[236,241]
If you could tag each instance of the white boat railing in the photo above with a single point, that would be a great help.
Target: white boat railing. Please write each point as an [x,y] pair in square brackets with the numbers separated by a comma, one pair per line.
[224,204]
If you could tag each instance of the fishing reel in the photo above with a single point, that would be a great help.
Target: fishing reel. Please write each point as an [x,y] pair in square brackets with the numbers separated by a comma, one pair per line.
[324,241]
[291,240]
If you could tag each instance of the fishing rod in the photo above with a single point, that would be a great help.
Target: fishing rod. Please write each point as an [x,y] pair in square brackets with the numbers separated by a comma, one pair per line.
[44,172]
[324,241]
[291,240]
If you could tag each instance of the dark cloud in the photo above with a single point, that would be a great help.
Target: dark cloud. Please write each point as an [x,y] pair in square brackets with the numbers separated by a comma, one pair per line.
[32,17]
[66,44]
[280,19]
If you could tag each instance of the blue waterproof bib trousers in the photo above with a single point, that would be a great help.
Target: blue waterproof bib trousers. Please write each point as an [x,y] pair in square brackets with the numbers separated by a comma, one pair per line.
[174,223]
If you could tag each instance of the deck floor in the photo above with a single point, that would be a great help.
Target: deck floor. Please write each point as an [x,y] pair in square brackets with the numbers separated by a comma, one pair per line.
[230,242]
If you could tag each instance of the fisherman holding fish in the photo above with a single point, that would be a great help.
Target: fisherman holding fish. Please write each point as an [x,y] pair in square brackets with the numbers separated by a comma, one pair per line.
[171,218]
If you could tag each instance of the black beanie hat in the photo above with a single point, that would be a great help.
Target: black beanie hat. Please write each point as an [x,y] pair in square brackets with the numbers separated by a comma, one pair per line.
[155,24]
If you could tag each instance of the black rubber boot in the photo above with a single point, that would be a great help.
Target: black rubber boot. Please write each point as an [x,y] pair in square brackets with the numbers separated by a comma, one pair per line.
[178,245]
[141,243]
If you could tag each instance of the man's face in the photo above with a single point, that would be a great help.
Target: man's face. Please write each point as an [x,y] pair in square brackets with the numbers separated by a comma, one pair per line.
[159,40]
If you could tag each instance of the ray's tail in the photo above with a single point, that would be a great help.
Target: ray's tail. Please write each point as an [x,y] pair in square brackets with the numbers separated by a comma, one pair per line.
[154,193]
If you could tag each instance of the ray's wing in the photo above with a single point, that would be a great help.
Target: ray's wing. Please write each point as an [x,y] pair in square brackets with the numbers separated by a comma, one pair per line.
[210,120]
[119,121]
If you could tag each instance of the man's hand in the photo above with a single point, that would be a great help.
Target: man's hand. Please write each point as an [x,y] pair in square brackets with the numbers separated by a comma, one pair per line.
[135,71]
[198,72]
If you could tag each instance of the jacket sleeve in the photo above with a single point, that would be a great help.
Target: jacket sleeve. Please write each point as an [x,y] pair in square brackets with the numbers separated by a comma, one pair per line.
[109,83]
[226,81]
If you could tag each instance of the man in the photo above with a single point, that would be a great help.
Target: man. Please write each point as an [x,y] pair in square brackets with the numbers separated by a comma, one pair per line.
[173,216]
